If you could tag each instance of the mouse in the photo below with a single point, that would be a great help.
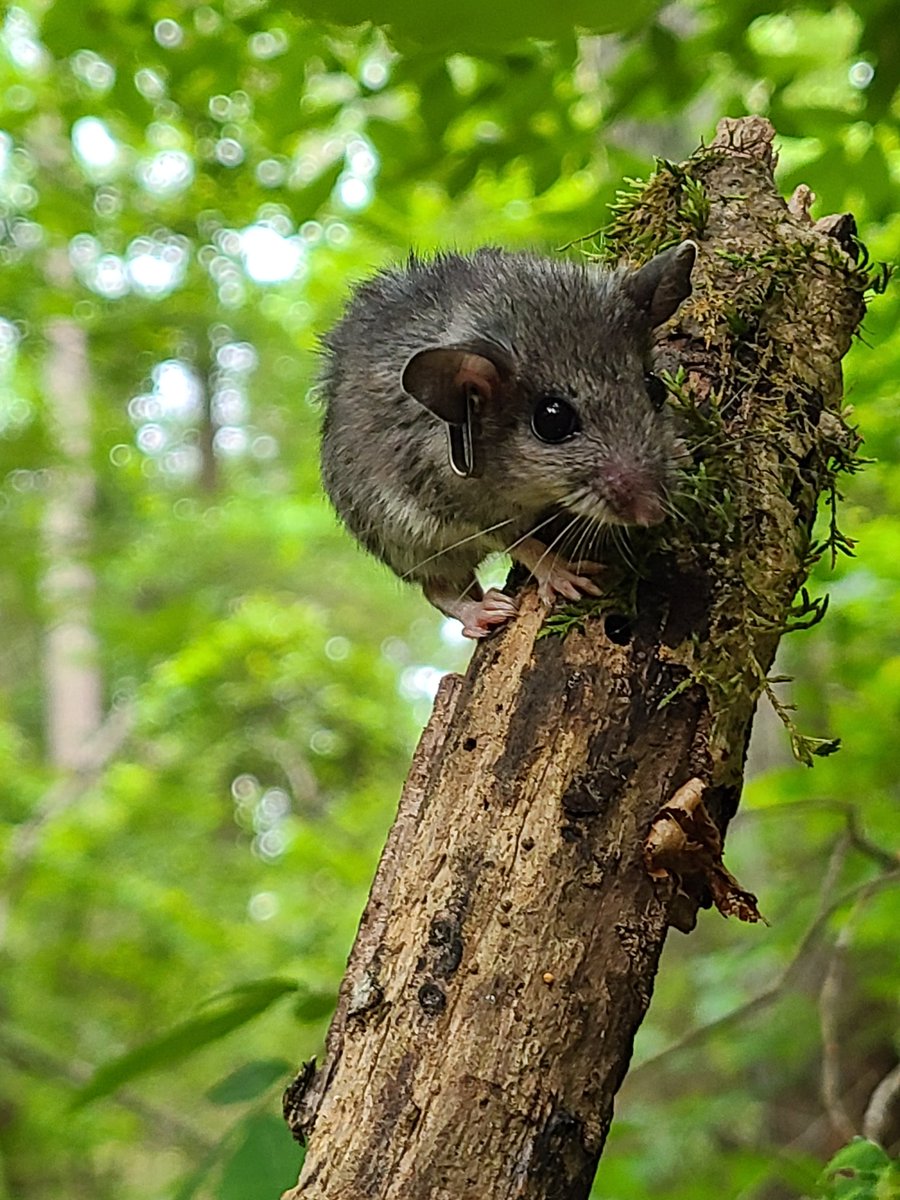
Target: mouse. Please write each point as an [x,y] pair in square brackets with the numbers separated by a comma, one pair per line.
[480,402]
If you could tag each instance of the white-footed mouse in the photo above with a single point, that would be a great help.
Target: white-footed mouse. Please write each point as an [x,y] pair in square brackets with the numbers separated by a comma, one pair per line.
[472,398]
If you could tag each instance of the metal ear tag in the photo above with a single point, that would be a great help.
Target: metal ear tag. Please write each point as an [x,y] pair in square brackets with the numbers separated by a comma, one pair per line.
[462,443]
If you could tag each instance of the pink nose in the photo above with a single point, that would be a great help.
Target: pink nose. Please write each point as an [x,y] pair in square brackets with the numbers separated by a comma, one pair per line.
[647,510]
[632,494]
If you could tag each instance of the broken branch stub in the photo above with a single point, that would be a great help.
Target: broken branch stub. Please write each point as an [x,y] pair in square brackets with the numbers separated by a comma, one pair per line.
[507,953]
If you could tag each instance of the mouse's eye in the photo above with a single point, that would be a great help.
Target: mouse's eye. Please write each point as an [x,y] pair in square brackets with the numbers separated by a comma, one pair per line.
[554,419]
[656,390]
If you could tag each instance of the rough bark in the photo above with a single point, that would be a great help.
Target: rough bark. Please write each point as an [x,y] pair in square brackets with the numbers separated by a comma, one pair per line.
[507,954]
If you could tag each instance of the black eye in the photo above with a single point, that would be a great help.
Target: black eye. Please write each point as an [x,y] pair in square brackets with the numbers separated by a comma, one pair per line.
[656,390]
[554,419]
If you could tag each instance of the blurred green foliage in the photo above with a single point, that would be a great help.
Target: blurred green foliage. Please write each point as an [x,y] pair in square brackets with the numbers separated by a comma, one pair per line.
[194,188]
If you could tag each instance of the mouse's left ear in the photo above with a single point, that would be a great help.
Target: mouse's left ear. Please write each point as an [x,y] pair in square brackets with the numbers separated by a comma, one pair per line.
[450,381]
[444,378]
[659,287]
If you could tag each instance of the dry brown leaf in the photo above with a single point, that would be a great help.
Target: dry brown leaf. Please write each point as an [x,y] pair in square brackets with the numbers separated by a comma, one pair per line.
[684,841]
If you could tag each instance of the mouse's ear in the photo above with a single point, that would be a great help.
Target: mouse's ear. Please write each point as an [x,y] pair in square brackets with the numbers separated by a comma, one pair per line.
[659,287]
[443,378]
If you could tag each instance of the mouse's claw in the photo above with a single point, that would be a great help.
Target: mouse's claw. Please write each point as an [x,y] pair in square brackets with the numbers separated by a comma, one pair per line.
[555,575]
[481,617]
[558,579]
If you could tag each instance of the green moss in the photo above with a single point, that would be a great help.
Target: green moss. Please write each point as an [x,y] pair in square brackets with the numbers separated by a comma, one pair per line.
[746,471]
[574,615]
[646,217]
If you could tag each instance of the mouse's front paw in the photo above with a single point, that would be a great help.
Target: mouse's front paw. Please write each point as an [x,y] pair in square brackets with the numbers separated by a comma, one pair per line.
[556,577]
[481,617]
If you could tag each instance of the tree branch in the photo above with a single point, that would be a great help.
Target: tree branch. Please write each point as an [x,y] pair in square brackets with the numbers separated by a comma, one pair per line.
[766,996]
[27,1054]
[507,954]
[878,1112]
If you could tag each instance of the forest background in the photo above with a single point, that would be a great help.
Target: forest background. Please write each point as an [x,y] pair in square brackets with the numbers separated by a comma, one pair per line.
[209,696]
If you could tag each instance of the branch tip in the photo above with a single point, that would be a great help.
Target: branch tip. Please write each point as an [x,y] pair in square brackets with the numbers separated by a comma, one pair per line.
[752,136]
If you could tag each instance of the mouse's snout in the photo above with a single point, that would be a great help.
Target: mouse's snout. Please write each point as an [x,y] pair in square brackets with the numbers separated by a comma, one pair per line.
[633,493]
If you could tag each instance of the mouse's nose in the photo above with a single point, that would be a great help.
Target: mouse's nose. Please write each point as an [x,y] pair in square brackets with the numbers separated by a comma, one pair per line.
[633,494]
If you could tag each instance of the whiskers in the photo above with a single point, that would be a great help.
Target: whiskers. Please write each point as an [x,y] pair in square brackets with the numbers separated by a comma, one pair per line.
[587,529]
[552,546]
[581,529]
[596,528]
[525,536]
[455,545]
[620,537]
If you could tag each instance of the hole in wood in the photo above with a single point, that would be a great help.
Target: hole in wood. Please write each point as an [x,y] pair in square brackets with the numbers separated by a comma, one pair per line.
[618,628]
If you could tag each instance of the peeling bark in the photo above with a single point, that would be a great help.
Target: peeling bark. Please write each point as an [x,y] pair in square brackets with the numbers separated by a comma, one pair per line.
[507,954]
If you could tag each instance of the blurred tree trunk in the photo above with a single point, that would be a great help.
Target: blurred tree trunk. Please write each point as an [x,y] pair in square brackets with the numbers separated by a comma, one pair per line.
[74,686]
[507,954]
[209,466]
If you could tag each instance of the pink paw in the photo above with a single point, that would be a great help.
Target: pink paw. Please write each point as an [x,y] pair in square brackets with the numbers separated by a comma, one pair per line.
[556,577]
[481,617]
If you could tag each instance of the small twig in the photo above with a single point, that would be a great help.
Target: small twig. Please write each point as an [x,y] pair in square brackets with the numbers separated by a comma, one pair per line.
[96,754]
[26,1054]
[829,1025]
[878,1112]
[887,859]
[61,796]
[771,993]
[807,1141]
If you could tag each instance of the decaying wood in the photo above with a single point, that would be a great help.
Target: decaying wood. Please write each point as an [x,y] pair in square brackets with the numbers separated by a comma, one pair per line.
[507,954]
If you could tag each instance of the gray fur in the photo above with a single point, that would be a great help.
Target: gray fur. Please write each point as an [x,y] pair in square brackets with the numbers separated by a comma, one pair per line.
[577,330]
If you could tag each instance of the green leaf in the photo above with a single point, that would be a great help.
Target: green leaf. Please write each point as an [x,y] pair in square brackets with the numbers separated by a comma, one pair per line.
[191,1184]
[861,1171]
[249,1081]
[470,24]
[266,1162]
[312,1006]
[305,203]
[222,1015]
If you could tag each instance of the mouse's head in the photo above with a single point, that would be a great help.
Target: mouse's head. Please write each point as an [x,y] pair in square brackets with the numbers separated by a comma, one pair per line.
[554,402]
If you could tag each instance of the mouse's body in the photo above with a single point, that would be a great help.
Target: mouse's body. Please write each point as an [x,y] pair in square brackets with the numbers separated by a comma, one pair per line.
[469,398]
